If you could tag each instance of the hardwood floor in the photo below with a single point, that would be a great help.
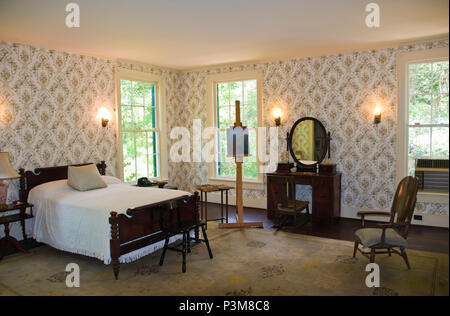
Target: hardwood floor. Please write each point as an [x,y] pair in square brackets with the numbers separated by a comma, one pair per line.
[420,237]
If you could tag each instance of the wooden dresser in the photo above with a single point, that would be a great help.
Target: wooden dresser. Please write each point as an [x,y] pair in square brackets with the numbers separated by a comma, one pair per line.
[326,193]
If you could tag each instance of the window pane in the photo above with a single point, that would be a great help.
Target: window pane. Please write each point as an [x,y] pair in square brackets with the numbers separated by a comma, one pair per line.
[125,92]
[148,94]
[149,118]
[127,119]
[250,165]
[226,166]
[440,142]
[420,78]
[440,77]
[419,141]
[236,92]
[222,141]
[223,114]
[129,165]
[153,154]
[420,109]
[138,93]
[250,92]
[139,117]
[250,115]
[223,94]
[440,110]
[141,154]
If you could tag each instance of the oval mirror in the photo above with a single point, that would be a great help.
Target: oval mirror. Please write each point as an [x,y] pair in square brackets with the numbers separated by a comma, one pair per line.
[308,141]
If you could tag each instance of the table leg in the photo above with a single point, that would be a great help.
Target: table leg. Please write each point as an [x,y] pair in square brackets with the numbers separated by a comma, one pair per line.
[22,211]
[206,210]
[221,206]
[201,205]
[226,210]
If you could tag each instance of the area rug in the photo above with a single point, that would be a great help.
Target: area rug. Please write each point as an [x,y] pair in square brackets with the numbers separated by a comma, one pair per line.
[246,263]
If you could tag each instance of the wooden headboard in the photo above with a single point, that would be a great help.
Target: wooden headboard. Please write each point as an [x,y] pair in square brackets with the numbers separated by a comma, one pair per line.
[30,179]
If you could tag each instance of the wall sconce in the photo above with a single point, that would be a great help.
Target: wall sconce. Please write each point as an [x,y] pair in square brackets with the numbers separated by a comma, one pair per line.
[105,116]
[377,114]
[277,116]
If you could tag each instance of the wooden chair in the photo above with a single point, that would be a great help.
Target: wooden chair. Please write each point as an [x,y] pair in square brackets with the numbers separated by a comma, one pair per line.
[182,226]
[288,207]
[393,234]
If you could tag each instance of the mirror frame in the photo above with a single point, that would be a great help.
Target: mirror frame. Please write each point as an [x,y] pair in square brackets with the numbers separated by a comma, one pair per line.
[291,133]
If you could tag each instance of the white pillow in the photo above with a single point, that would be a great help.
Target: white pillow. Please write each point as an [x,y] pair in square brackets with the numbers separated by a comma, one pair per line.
[85,178]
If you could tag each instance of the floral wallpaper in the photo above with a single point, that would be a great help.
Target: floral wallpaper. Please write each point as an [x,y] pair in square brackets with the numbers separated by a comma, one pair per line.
[49,102]
[340,90]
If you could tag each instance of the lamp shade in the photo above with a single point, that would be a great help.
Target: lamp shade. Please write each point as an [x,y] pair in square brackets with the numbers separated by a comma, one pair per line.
[6,170]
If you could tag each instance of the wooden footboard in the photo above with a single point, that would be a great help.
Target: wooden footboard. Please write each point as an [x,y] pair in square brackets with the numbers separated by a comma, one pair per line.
[142,225]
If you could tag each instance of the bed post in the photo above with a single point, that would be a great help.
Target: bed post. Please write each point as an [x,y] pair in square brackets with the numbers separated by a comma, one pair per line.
[102,167]
[114,243]
[22,191]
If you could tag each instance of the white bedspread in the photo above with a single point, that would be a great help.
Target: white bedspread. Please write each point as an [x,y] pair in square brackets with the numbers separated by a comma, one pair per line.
[77,222]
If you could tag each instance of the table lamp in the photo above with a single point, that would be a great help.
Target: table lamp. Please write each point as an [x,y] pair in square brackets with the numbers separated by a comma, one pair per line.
[6,173]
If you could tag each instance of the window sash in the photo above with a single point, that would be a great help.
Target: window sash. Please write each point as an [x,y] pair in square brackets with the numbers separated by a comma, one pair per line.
[217,106]
[155,132]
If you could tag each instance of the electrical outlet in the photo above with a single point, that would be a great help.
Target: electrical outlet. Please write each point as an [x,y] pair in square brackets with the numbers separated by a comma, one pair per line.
[418,217]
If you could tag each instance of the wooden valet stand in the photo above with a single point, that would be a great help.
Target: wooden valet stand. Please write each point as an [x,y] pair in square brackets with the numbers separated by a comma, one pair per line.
[239,191]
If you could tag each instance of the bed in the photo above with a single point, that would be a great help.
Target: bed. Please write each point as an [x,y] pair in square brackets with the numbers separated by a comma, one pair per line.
[116,224]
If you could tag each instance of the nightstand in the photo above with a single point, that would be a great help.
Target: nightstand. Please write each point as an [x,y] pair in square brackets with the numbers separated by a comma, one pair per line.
[20,216]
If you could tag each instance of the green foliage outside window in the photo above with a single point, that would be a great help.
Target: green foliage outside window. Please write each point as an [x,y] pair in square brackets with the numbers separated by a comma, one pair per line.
[428,90]
[227,94]
[139,137]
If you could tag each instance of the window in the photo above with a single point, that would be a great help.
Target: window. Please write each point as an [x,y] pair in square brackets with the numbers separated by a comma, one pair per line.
[225,89]
[428,111]
[140,127]
[227,93]
[423,112]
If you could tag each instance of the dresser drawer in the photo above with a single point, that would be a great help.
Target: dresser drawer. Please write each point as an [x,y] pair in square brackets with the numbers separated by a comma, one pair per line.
[323,190]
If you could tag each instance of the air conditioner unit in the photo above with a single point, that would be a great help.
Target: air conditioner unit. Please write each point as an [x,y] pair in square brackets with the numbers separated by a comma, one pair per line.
[432,174]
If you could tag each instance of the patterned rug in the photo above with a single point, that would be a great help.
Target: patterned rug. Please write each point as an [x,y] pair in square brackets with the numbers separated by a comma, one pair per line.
[246,262]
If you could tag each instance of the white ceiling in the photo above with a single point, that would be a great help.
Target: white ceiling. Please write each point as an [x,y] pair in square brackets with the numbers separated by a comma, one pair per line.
[185,34]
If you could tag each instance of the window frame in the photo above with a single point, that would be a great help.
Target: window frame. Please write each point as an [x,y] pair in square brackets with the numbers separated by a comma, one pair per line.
[403,62]
[160,121]
[211,109]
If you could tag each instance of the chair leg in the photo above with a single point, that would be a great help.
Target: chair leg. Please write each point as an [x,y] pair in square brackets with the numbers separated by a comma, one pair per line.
[282,222]
[405,257]
[184,250]
[389,252]
[188,242]
[166,244]
[295,220]
[372,255]
[205,237]
[355,249]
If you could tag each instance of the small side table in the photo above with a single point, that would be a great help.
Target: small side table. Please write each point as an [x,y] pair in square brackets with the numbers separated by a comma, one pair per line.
[21,216]
[204,189]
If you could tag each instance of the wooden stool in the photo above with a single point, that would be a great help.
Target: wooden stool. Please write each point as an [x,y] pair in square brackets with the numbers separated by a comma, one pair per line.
[184,228]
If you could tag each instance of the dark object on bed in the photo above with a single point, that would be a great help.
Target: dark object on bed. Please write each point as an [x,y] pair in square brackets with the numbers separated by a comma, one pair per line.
[184,227]
[128,234]
[145,182]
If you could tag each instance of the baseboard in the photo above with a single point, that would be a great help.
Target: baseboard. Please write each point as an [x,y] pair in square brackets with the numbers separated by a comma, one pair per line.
[427,219]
